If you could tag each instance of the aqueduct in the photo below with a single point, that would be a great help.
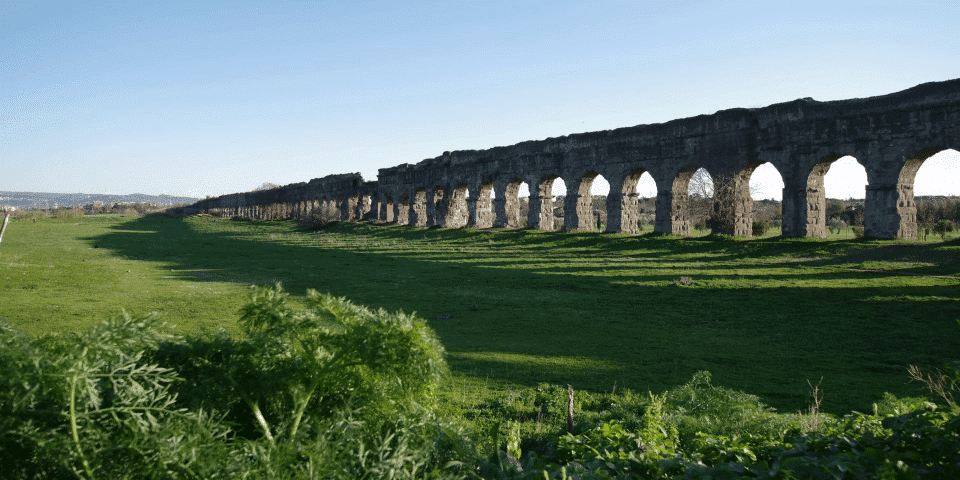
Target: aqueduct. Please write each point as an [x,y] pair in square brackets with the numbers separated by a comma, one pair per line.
[890,135]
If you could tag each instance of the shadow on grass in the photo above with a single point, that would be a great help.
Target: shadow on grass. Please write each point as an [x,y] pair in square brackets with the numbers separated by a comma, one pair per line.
[495,296]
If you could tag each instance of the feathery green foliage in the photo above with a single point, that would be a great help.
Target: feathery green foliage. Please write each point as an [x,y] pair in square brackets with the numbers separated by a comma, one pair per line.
[331,391]
[93,404]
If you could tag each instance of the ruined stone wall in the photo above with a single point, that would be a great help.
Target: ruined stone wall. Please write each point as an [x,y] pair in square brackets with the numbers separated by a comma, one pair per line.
[334,194]
[889,135]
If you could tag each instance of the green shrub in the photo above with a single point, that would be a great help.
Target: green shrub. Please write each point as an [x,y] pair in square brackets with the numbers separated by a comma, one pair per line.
[334,390]
[760,229]
[699,406]
[294,366]
[858,232]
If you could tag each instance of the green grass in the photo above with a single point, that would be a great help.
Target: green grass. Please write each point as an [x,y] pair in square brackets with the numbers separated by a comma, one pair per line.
[515,308]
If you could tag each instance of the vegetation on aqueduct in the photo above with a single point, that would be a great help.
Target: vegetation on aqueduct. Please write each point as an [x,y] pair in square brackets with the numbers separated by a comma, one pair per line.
[291,387]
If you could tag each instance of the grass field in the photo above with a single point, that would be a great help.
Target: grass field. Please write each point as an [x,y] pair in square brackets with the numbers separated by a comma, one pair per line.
[515,308]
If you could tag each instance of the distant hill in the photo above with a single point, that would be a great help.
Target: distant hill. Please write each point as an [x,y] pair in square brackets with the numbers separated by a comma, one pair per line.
[48,200]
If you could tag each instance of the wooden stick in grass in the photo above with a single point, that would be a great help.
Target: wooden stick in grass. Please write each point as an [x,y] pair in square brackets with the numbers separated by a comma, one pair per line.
[4,229]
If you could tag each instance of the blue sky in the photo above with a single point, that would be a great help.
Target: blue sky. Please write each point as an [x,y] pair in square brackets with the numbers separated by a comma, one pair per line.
[205,98]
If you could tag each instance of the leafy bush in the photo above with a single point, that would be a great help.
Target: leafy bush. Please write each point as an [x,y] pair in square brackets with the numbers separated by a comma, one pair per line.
[760,228]
[858,232]
[919,443]
[319,219]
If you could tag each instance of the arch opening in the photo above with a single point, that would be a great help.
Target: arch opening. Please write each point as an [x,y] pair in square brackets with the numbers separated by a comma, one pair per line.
[646,202]
[599,193]
[836,197]
[558,190]
[699,201]
[388,214]
[437,207]
[766,200]
[364,206]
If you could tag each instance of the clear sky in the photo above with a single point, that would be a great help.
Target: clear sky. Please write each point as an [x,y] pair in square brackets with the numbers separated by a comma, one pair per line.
[205,98]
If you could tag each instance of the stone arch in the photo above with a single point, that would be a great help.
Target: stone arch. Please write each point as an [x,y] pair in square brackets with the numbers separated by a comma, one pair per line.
[623,213]
[908,225]
[402,209]
[326,209]
[578,205]
[540,215]
[301,209]
[436,206]
[364,205]
[455,213]
[418,208]
[673,215]
[348,207]
[815,212]
[334,207]
[510,202]
[480,203]
[733,203]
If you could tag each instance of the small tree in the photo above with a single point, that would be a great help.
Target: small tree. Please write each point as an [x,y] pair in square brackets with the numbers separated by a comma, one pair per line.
[942,228]
[266,186]
[836,225]
[702,224]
